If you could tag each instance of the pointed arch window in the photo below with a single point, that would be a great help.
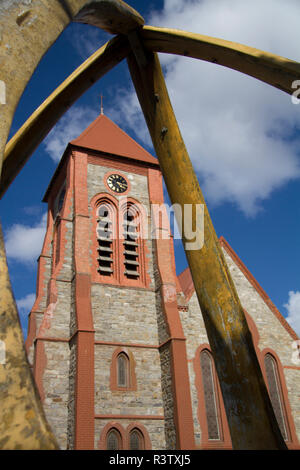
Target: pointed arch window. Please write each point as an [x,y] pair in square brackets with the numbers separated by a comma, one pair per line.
[113,440]
[123,375]
[136,440]
[115,437]
[61,198]
[276,395]
[131,234]
[57,240]
[119,241]
[59,201]
[105,238]
[211,400]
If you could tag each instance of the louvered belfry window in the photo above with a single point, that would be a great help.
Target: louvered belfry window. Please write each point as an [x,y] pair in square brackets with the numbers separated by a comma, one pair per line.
[210,396]
[113,440]
[105,238]
[275,392]
[131,242]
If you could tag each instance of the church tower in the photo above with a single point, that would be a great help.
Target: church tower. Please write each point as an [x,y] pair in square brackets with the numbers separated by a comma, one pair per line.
[109,349]
[116,340]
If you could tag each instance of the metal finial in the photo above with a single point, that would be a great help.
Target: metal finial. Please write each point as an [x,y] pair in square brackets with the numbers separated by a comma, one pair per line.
[101,104]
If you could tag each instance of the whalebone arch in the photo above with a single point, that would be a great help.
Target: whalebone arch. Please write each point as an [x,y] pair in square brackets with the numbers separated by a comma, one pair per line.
[137,43]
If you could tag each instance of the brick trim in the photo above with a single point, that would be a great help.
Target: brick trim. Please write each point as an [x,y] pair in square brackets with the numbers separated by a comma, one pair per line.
[132,384]
[148,417]
[109,427]
[127,345]
[144,433]
[124,434]
[112,204]
[84,336]
[118,277]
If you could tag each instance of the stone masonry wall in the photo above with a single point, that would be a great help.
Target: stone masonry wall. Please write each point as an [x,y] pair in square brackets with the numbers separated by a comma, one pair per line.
[56,388]
[272,335]
[147,399]
[195,333]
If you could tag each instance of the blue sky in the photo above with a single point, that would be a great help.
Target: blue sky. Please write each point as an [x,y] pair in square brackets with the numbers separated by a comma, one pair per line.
[242,135]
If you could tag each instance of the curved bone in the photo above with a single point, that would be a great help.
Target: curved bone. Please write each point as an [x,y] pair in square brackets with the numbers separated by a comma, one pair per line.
[37,126]
[113,17]
[269,68]
[29,29]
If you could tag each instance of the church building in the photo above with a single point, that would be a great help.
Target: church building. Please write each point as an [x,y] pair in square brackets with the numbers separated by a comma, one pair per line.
[116,339]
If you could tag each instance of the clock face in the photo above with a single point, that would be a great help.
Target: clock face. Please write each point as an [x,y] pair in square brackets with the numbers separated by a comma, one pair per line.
[117,183]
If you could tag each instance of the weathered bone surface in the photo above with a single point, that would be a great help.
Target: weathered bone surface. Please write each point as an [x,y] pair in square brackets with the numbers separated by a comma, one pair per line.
[113,17]
[272,69]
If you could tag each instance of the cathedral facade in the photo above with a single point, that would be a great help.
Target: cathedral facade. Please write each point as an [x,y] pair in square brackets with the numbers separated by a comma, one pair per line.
[116,339]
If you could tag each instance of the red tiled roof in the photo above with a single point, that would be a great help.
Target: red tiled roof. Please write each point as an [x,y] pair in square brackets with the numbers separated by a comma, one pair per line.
[186,283]
[105,136]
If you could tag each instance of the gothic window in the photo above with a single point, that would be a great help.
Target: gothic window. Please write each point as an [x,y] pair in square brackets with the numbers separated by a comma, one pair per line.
[136,440]
[113,440]
[210,396]
[275,392]
[59,201]
[105,222]
[123,370]
[57,241]
[131,230]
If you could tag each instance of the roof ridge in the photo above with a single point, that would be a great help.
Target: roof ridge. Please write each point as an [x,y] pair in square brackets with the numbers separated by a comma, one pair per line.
[224,243]
[186,289]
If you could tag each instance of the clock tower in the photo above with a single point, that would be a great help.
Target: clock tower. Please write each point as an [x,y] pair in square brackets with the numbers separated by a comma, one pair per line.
[105,339]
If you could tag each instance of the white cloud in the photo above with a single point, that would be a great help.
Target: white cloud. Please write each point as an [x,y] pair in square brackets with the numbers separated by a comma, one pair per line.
[293,309]
[23,243]
[239,132]
[70,126]
[25,303]
[127,112]
[86,39]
